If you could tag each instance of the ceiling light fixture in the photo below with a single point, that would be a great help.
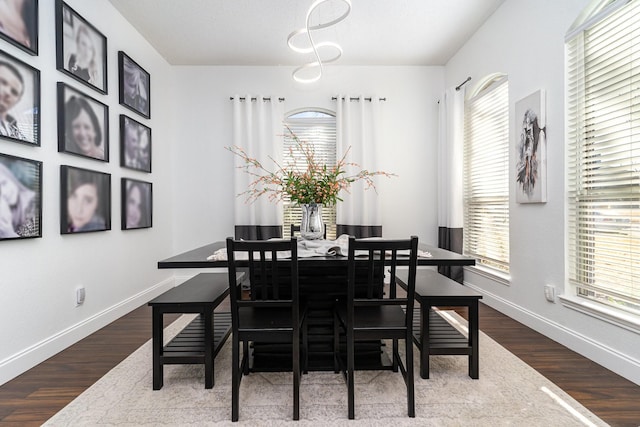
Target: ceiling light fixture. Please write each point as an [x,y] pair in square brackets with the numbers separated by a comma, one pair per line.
[313,47]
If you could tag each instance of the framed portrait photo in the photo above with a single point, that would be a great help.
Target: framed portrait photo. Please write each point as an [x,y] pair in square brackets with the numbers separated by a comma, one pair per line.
[85,200]
[135,145]
[135,86]
[137,205]
[19,24]
[20,103]
[20,198]
[83,124]
[81,50]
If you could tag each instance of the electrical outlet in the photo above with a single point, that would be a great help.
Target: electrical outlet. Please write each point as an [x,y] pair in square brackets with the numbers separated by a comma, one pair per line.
[550,293]
[80,294]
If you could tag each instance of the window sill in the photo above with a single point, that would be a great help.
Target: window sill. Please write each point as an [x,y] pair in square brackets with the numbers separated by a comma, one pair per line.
[619,318]
[489,273]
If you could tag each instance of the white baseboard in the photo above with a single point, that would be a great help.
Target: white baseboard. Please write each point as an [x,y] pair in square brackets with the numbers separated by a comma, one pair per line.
[610,358]
[26,359]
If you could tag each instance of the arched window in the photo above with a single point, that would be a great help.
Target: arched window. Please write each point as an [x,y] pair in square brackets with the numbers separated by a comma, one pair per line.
[317,127]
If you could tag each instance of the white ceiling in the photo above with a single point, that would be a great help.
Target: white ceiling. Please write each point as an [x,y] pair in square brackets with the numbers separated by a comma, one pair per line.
[254,32]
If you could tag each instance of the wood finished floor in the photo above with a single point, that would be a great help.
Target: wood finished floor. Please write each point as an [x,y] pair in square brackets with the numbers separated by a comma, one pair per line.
[35,396]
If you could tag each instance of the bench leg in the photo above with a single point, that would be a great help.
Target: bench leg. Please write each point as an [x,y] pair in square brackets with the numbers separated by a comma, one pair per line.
[474,363]
[208,349]
[157,348]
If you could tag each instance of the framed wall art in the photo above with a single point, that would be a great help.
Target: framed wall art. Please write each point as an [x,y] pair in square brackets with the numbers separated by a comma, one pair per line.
[20,106]
[135,145]
[531,149]
[81,50]
[135,86]
[85,200]
[20,198]
[20,24]
[83,124]
[136,203]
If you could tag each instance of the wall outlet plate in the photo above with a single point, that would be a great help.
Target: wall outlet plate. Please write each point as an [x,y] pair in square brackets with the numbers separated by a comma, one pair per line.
[550,293]
[80,294]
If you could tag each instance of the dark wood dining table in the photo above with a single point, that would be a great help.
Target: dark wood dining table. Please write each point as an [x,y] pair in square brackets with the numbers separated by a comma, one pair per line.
[322,279]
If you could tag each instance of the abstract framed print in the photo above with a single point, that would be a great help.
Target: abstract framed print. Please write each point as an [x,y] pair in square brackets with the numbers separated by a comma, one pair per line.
[85,200]
[136,203]
[135,86]
[20,101]
[83,124]
[19,24]
[531,149]
[135,145]
[81,50]
[20,198]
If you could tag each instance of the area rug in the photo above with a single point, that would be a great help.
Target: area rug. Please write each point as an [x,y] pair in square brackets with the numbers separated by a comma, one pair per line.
[508,393]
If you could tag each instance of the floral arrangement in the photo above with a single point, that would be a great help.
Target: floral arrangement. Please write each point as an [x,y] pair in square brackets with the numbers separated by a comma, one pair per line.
[318,183]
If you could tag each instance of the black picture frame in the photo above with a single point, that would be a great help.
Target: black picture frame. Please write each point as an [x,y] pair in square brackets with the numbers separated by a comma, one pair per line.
[136,204]
[20,198]
[83,124]
[21,122]
[134,86]
[85,200]
[135,145]
[20,28]
[81,49]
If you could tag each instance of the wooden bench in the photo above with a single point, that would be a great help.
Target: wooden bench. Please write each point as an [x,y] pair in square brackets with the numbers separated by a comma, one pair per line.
[441,338]
[202,339]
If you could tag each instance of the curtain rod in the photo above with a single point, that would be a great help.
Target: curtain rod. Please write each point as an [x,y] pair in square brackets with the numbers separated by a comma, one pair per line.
[264,98]
[358,99]
[463,83]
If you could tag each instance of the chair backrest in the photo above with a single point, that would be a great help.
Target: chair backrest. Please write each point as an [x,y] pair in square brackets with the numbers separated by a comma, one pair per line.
[368,262]
[273,273]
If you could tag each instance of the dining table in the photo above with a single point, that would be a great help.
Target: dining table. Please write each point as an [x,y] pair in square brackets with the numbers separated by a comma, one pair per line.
[322,280]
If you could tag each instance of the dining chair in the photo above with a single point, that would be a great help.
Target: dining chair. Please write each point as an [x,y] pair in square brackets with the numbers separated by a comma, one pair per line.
[272,312]
[296,229]
[369,312]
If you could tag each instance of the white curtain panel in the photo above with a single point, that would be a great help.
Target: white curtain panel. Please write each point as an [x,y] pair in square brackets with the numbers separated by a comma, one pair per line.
[357,126]
[450,159]
[257,128]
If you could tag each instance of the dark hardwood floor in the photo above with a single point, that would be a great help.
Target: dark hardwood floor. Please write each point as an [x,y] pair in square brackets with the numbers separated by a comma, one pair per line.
[36,395]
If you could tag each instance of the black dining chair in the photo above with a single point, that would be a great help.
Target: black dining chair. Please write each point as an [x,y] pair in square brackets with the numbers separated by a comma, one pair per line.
[296,229]
[272,312]
[369,312]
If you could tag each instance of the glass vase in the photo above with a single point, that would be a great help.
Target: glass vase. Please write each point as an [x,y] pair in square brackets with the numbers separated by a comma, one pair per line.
[311,226]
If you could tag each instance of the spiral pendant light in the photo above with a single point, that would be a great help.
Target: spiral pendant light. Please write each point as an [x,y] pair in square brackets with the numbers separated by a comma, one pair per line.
[324,52]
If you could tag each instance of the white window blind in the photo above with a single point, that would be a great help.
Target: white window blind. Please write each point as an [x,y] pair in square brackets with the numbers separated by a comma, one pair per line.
[486,176]
[603,66]
[318,129]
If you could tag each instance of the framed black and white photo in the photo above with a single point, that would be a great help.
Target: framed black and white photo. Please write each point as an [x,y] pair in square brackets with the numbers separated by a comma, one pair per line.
[135,145]
[20,101]
[83,124]
[135,86]
[19,24]
[137,204]
[20,198]
[81,50]
[85,200]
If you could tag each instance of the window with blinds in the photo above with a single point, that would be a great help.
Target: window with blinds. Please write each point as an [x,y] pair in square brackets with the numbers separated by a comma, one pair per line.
[319,129]
[603,123]
[486,176]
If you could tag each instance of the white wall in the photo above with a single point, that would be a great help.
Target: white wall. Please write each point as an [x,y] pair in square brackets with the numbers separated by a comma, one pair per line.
[203,191]
[525,40]
[38,316]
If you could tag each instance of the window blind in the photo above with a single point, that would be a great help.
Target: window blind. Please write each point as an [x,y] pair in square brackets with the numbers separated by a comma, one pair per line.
[319,130]
[603,66]
[486,176]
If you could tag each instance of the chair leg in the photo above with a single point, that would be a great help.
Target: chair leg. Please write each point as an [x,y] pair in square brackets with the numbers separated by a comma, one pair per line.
[336,343]
[245,357]
[394,352]
[296,376]
[235,378]
[411,399]
[350,369]
[305,346]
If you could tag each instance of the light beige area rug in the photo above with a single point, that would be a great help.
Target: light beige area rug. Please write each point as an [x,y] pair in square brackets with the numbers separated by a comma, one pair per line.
[508,393]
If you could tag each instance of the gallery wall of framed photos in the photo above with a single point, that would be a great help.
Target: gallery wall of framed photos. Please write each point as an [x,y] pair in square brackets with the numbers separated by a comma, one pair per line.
[82,112]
